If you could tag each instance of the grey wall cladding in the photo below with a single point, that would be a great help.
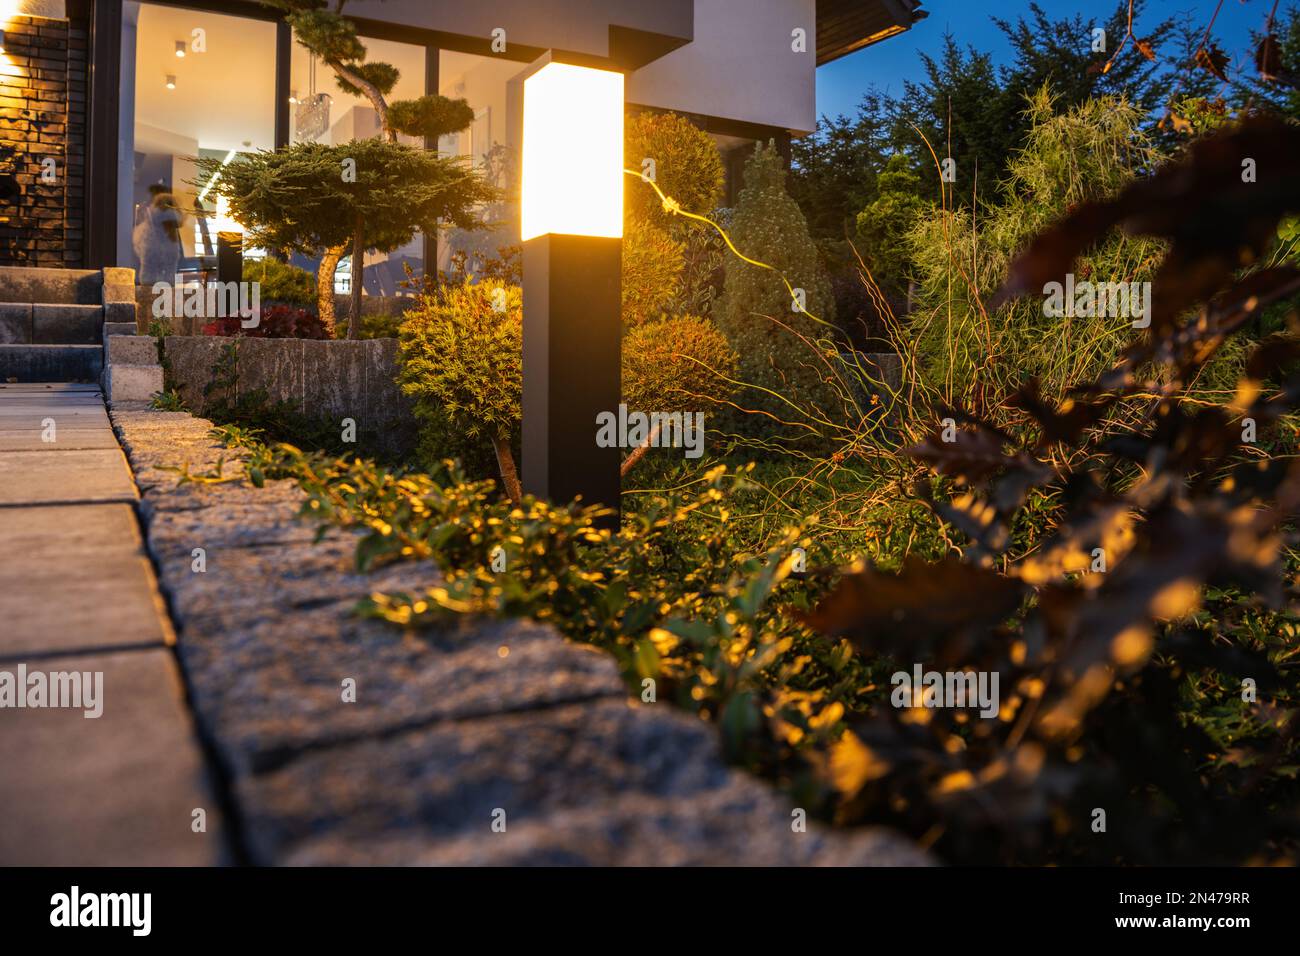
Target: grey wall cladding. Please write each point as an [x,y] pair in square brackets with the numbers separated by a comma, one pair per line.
[321,379]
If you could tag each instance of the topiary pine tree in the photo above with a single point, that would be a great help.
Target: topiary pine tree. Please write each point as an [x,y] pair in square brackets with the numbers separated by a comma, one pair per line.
[651,269]
[687,167]
[333,37]
[368,194]
[756,311]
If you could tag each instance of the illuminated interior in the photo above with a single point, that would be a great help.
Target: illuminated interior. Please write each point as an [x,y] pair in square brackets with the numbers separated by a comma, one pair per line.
[220,101]
[493,87]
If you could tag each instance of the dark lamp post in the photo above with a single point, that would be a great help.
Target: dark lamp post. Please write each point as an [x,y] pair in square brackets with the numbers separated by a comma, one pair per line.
[571,217]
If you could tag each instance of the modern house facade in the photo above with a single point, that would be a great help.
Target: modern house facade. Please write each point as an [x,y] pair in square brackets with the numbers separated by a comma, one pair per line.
[102,101]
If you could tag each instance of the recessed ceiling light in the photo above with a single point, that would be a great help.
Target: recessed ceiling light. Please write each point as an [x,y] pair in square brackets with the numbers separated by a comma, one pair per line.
[171,82]
[180,48]
[293,96]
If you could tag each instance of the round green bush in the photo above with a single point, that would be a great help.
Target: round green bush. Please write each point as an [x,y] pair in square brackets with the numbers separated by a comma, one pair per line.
[681,363]
[652,270]
[688,166]
[280,282]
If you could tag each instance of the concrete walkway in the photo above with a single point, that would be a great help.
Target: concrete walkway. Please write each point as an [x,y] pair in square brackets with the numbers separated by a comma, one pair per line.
[78,594]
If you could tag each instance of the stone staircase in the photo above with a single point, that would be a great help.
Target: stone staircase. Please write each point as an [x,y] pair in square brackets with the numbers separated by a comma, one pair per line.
[75,325]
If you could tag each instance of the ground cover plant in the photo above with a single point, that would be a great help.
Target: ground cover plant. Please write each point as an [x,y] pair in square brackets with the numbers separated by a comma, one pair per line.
[1157,687]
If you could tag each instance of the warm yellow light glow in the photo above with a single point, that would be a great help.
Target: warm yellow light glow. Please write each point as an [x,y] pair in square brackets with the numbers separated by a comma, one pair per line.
[220,220]
[572,153]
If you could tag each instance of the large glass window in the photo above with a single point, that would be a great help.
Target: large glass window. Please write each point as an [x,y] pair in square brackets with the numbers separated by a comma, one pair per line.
[321,111]
[194,84]
[494,88]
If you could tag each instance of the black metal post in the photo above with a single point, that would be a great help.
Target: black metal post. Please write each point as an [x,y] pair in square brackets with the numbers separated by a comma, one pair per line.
[230,257]
[572,366]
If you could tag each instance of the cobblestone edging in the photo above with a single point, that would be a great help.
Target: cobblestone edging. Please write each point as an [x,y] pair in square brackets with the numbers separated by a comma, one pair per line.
[447,730]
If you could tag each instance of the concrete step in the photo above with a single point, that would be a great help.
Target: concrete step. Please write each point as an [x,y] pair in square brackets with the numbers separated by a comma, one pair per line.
[111,327]
[42,323]
[15,323]
[51,286]
[67,324]
[50,363]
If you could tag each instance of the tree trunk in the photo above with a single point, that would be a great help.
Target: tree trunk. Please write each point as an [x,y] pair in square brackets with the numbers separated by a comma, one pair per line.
[638,453]
[506,462]
[325,286]
[358,278]
[372,94]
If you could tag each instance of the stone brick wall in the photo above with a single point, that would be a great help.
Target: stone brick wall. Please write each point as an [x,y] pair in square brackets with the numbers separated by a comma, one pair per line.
[43,85]
[323,380]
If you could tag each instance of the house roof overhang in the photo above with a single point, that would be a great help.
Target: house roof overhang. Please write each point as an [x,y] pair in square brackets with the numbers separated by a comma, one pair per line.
[844,26]
[614,34]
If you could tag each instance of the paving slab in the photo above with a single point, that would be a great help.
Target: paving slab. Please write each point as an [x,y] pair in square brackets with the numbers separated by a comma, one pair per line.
[70,530]
[32,438]
[116,790]
[83,582]
[79,602]
[55,388]
[92,475]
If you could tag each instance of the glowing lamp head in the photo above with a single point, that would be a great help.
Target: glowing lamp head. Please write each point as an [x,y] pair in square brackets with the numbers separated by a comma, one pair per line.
[572,153]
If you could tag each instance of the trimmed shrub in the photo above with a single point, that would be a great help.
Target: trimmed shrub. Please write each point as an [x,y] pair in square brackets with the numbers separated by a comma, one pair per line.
[688,166]
[679,363]
[281,282]
[652,270]
[460,353]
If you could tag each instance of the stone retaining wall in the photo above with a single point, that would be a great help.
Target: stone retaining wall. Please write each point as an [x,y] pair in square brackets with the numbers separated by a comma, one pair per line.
[322,379]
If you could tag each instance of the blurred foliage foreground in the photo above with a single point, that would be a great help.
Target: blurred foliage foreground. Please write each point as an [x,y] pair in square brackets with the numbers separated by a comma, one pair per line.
[1142,642]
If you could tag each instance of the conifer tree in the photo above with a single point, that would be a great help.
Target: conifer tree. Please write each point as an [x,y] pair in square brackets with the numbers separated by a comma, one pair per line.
[757,313]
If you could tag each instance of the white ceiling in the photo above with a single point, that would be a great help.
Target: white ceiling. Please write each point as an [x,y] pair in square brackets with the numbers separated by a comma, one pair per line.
[223,97]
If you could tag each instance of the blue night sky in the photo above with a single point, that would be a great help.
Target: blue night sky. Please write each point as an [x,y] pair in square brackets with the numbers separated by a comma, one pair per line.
[840,85]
